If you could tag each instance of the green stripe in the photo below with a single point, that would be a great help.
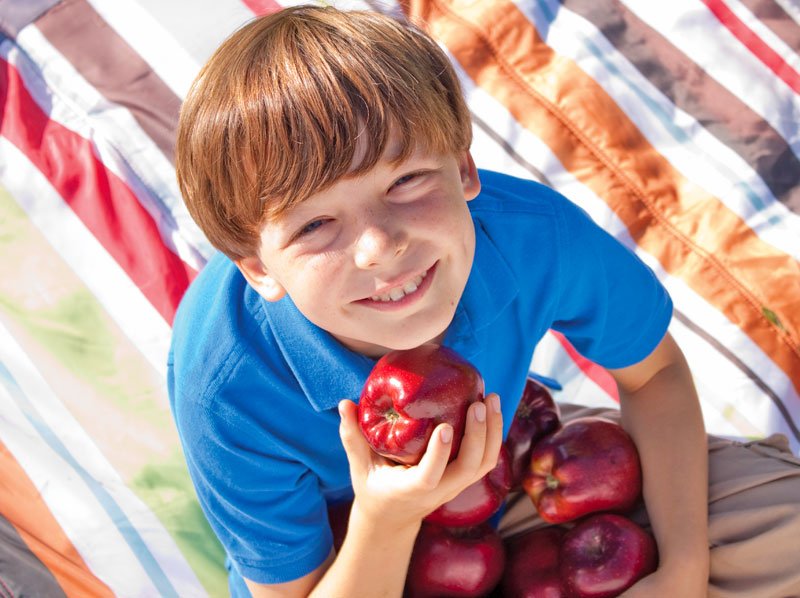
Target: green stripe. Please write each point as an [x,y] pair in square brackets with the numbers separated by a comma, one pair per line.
[168,491]
[104,381]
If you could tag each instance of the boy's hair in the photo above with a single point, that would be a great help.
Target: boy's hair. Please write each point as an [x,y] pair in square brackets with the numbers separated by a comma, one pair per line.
[275,114]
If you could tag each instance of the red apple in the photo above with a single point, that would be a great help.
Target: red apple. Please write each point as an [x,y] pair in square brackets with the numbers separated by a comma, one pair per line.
[591,464]
[479,501]
[455,561]
[604,555]
[532,565]
[537,415]
[408,393]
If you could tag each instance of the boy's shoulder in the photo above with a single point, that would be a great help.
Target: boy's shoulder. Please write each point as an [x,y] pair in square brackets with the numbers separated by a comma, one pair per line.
[218,324]
[514,213]
[504,193]
[228,343]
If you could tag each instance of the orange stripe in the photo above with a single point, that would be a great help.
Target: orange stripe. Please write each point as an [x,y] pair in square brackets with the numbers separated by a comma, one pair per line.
[694,235]
[24,508]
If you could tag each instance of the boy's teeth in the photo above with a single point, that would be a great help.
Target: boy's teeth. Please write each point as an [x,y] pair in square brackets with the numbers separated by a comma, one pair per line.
[409,287]
[398,293]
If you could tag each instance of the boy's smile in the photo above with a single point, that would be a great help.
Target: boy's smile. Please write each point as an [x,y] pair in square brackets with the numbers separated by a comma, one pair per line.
[402,294]
[378,260]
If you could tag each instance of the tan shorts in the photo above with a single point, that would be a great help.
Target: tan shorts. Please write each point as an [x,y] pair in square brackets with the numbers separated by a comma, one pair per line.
[754,514]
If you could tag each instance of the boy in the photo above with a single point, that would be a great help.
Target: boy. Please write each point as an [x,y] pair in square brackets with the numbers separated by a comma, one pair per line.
[326,155]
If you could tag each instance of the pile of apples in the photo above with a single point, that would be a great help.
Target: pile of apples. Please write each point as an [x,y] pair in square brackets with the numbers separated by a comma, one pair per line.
[582,477]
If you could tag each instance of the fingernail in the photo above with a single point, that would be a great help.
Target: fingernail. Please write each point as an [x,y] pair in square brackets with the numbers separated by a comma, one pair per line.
[446,434]
[480,412]
[495,401]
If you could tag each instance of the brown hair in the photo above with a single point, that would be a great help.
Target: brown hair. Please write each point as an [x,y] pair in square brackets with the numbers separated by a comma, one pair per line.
[274,115]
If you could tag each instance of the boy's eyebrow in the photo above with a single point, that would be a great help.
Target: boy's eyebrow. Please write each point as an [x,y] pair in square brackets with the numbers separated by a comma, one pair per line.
[393,151]
[290,217]
[298,213]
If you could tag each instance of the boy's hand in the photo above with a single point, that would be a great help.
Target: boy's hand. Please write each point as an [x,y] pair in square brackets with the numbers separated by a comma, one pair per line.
[402,495]
[668,583]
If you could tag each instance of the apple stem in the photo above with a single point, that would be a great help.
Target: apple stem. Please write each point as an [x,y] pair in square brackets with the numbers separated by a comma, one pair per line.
[552,482]
[391,415]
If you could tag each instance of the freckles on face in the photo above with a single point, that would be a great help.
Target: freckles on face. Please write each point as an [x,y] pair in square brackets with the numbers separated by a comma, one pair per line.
[315,278]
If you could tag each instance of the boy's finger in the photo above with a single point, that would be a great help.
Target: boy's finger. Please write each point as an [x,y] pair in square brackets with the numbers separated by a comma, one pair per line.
[431,467]
[494,431]
[359,453]
[473,444]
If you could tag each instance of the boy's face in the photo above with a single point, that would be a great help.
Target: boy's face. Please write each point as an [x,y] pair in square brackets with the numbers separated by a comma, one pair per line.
[380,260]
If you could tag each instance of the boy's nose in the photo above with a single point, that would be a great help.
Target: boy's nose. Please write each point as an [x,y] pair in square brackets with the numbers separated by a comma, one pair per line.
[377,244]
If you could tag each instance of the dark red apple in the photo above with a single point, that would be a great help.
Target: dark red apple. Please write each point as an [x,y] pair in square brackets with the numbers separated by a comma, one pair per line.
[455,561]
[591,464]
[408,393]
[604,555]
[532,565]
[338,519]
[479,501]
[537,415]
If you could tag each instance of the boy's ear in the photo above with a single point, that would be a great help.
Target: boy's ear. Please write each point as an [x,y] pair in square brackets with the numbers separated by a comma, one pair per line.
[470,181]
[257,276]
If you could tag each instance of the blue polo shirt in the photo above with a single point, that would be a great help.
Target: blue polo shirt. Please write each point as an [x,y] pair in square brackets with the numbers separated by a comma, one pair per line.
[254,385]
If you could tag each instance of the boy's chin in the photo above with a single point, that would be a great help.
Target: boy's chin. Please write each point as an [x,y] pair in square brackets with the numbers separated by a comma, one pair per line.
[377,347]
[411,344]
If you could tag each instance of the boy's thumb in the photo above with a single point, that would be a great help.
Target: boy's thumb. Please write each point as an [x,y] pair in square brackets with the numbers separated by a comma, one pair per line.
[355,445]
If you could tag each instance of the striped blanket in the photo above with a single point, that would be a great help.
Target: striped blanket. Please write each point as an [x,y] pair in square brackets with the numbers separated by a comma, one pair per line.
[676,125]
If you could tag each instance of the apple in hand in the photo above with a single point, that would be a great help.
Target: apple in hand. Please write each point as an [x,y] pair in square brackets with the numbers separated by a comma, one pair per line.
[537,415]
[408,393]
[591,464]
[604,555]
[532,565]
[478,501]
[455,561]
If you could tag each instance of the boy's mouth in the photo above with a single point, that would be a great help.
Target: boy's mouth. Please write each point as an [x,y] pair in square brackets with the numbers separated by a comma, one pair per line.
[404,294]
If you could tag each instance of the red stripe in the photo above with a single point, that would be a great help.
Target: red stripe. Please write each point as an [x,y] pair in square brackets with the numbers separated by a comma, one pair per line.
[755,44]
[262,7]
[101,200]
[591,370]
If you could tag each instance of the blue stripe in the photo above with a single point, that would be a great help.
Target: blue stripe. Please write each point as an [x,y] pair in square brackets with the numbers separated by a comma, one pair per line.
[129,533]
[677,133]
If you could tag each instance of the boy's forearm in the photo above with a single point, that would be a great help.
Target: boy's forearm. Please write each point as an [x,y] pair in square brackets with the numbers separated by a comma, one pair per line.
[666,423]
[373,560]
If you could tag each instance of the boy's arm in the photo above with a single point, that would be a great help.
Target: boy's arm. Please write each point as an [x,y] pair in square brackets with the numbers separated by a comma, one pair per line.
[374,560]
[661,411]
[390,502]
[296,587]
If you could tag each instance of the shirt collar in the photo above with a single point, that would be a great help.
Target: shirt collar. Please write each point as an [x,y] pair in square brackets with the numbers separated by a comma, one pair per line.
[490,288]
[328,372]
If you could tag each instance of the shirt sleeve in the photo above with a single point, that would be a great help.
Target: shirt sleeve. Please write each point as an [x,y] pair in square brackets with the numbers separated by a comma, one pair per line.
[266,508]
[611,306]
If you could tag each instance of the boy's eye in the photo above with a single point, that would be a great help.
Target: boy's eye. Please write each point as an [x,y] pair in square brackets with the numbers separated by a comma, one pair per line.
[311,227]
[404,179]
